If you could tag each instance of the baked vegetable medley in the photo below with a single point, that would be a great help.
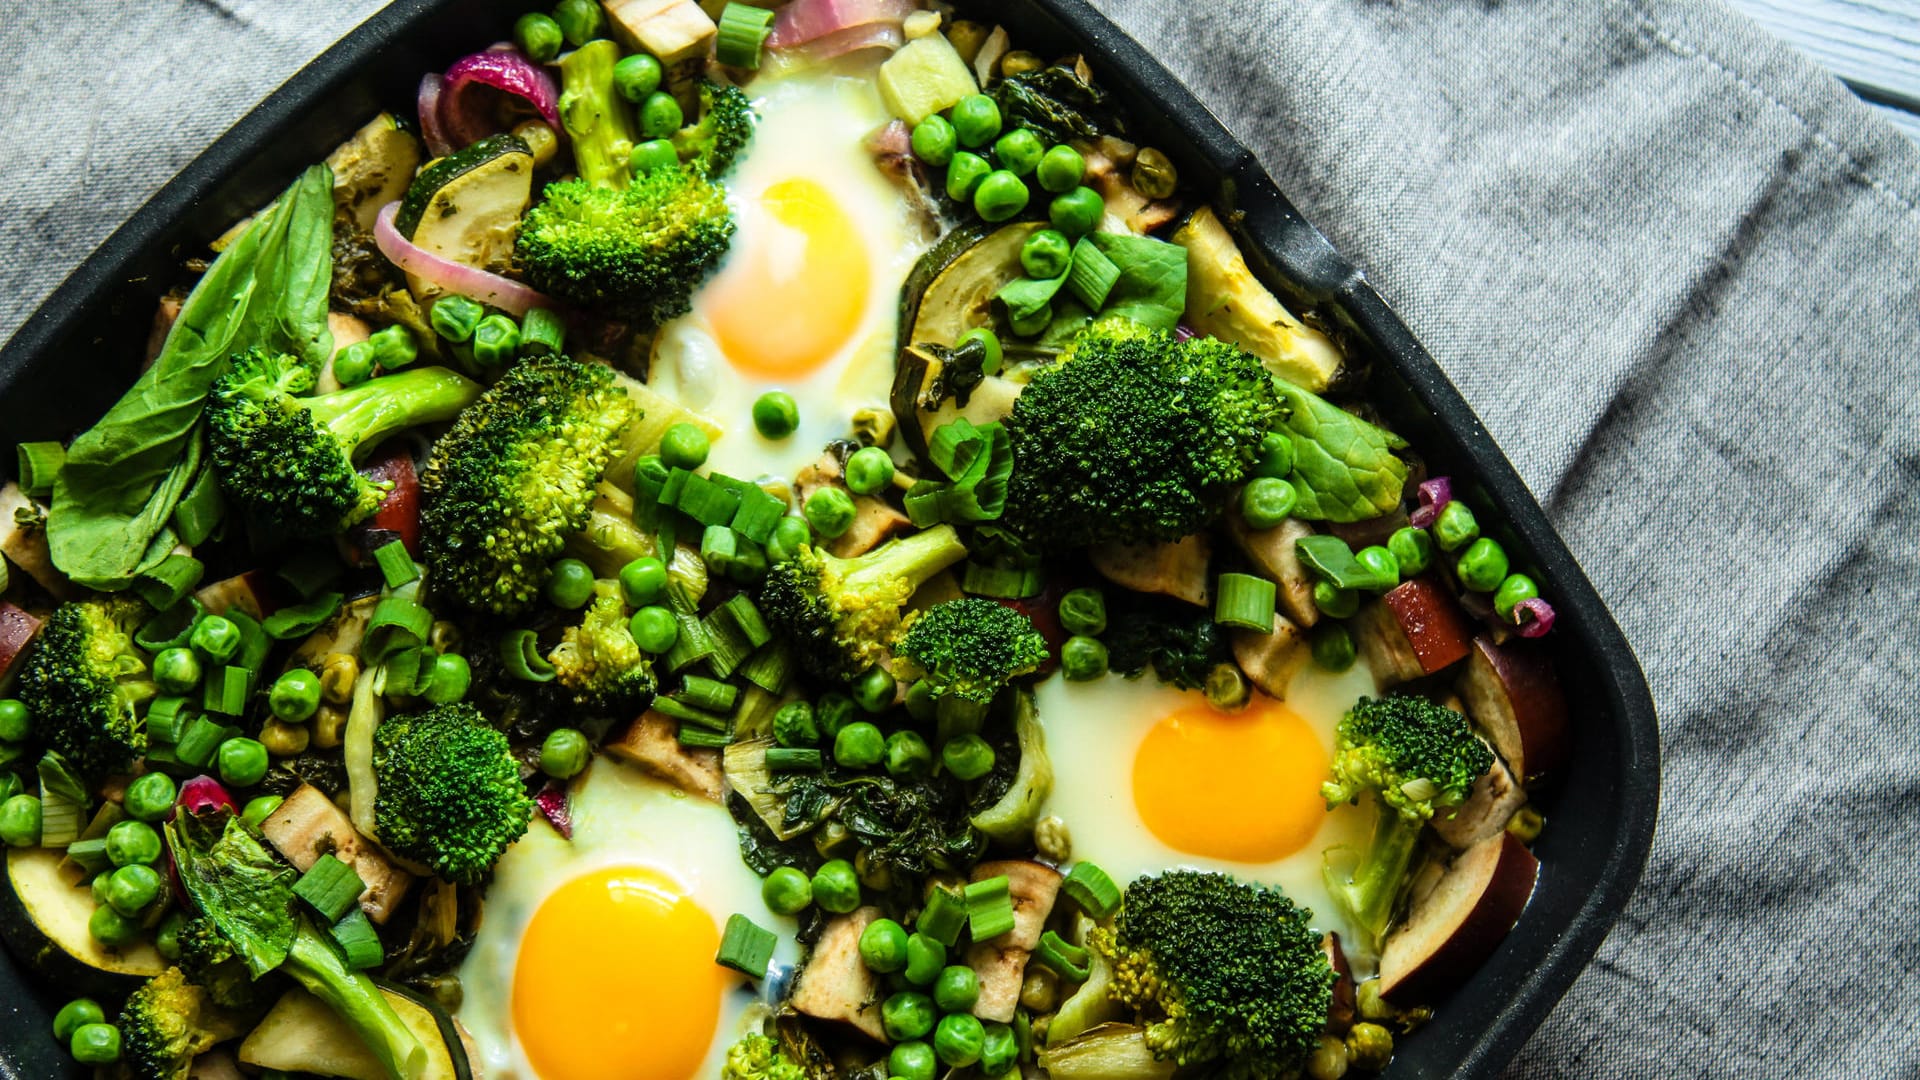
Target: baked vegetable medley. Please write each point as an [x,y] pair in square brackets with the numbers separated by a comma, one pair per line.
[765,541]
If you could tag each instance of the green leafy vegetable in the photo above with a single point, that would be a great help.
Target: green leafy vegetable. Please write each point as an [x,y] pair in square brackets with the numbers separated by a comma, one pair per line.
[238,883]
[1344,468]
[1058,103]
[1027,297]
[1152,289]
[114,500]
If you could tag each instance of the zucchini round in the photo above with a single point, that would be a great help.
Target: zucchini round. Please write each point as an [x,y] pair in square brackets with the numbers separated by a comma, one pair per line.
[300,1034]
[43,919]
[467,206]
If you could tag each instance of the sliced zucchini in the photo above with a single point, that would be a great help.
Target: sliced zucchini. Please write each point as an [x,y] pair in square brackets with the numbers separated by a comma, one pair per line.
[1010,821]
[656,413]
[43,918]
[1226,301]
[300,1034]
[467,206]
[373,168]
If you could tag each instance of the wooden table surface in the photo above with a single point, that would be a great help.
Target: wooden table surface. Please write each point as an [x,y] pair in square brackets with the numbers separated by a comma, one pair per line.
[1874,45]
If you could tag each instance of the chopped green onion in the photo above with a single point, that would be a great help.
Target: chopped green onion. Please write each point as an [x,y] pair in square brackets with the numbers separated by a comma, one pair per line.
[729,645]
[693,645]
[770,669]
[758,514]
[943,917]
[695,737]
[226,691]
[1331,558]
[40,462]
[169,629]
[709,694]
[745,946]
[1245,601]
[358,940]
[330,886]
[63,802]
[687,714]
[301,619]
[396,566]
[1001,583]
[254,647]
[1068,960]
[719,546]
[1091,888]
[89,855]
[1092,275]
[706,501]
[199,511]
[520,652]
[989,908]
[170,582]
[201,739]
[675,484]
[541,333]
[167,719]
[404,674]
[747,618]
[793,759]
[397,623]
[743,30]
[311,571]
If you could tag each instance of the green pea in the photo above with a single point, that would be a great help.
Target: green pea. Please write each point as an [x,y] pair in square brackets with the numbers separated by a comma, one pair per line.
[921,701]
[394,347]
[1266,501]
[956,988]
[907,1015]
[150,797]
[243,762]
[787,891]
[684,446]
[1333,601]
[637,77]
[131,842]
[874,692]
[793,725]
[1083,611]
[1046,254]
[789,536]
[1061,169]
[10,785]
[660,116]
[1332,646]
[650,154]
[1456,527]
[869,470]
[964,174]
[295,695]
[176,670]
[112,929]
[496,341]
[968,757]
[1381,563]
[1275,456]
[75,1014]
[1000,1050]
[1000,196]
[98,887]
[643,581]
[538,36]
[20,821]
[976,120]
[16,723]
[859,745]
[260,808]
[883,946]
[654,629]
[926,957]
[449,680]
[1483,566]
[775,414]
[133,889]
[580,21]
[1412,548]
[166,939]
[216,638]
[934,141]
[1516,589]
[96,1044]
[959,1039]
[454,317]
[913,1060]
[830,511]
[1077,212]
[833,710]
[1019,151]
[564,753]
[908,754]
[354,364]
[569,584]
[989,341]
[836,888]
[1083,658]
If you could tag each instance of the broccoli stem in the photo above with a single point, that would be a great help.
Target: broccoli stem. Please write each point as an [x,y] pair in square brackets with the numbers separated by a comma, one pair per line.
[365,414]
[914,559]
[1370,896]
[317,965]
[594,115]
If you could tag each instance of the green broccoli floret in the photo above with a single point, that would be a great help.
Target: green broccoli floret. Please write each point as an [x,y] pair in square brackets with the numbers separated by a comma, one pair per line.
[843,615]
[449,794]
[505,488]
[166,1022]
[82,683]
[759,1057]
[598,663]
[1220,972]
[1134,436]
[968,650]
[710,146]
[635,247]
[1415,757]
[210,964]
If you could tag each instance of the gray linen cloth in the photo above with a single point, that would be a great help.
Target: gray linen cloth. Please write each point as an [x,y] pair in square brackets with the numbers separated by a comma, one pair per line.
[1671,263]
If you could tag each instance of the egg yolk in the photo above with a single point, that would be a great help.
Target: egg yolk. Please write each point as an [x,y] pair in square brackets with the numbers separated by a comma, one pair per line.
[796,288]
[1244,786]
[616,980]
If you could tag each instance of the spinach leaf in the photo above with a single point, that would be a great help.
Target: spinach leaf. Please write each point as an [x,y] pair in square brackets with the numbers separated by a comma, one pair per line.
[1152,289]
[1344,468]
[113,500]
[1058,102]
[237,883]
[1027,297]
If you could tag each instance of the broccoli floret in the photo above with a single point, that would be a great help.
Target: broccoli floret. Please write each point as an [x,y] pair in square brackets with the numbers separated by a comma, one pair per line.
[1220,972]
[969,650]
[598,662]
[289,459]
[1134,436]
[449,794]
[843,615]
[166,1022]
[210,964]
[82,682]
[759,1057]
[514,478]
[710,146]
[1416,757]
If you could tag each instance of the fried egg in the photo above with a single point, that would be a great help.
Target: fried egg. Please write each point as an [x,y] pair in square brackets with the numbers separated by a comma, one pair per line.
[807,299]
[1149,778]
[594,959]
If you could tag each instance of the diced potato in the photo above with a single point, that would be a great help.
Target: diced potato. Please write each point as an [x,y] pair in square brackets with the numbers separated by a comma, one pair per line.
[674,31]
[923,78]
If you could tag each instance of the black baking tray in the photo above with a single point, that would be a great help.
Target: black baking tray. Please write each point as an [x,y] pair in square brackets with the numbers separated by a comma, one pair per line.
[75,355]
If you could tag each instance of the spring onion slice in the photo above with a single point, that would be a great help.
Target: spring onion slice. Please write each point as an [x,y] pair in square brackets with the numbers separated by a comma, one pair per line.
[711,695]
[301,619]
[1246,602]
[793,759]
[770,669]
[989,908]
[943,916]
[199,511]
[1068,960]
[520,652]
[358,940]
[40,462]
[170,582]
[396,566]
[330,886]
[687,714]
[742,33]
[695,737]
[398,622]
[1000,582]
[1092,275]
[745,946]
[1091,888]
[170,628]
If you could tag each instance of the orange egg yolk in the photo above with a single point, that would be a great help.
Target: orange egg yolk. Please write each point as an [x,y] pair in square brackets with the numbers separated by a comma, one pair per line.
[1243,786]
[796,287]
[616,980]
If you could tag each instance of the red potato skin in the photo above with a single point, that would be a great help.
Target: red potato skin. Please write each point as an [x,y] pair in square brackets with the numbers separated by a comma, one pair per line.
[1342,1009]
[1508,872]
[1511,691]
[1436,628]
[399,512]
[17,631]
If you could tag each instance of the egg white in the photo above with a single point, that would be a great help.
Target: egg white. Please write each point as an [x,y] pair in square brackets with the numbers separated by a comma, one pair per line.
[621,817]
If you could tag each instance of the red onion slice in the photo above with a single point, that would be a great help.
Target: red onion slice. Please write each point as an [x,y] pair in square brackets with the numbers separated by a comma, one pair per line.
[1434,495]
[1183,332]
[1534,616]
[432,87]
[552,802]
[851,40]
[891,139]
[204,794]
[504,293]
[806,20]
[464,115]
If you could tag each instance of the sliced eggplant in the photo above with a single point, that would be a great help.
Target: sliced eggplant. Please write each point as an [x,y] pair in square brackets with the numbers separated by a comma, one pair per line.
[1453,927]
[1001,963]
[1513,694]
[18,628]
[256,593]
[23,539]
[43,919]
[652,744]
[836,984]
[308,825]
[301,1034]
[1489,804]
[467,206]
[1340,1010]
[1177,568]
[1415,628]
[1273,552]
[874,519]
[1270,659]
